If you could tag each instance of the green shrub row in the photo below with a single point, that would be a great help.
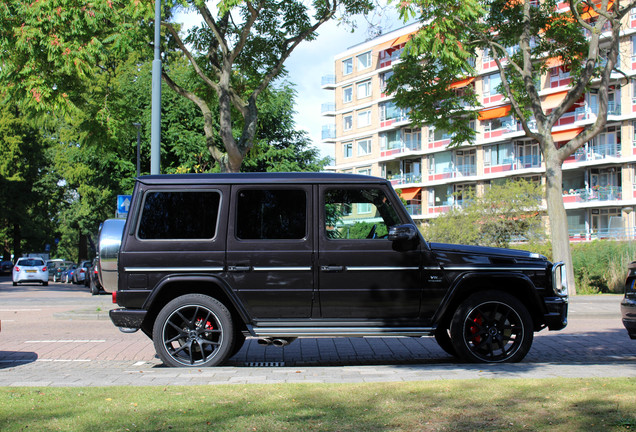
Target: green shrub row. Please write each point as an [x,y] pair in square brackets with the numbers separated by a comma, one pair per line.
[599,266]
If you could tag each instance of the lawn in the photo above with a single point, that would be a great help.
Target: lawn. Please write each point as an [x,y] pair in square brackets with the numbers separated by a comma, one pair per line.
[458,405]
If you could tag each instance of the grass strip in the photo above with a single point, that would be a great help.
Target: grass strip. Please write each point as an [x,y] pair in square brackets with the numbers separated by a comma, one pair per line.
[557,404]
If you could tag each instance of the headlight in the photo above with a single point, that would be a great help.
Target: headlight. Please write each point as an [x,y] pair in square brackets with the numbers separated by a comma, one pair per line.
[560,279]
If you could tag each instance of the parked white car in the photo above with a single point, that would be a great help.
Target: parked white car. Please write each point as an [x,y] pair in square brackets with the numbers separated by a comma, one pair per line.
[30,270]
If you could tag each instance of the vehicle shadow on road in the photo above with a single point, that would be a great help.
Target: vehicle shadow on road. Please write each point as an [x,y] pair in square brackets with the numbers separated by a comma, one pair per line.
[9,359]
[604,346]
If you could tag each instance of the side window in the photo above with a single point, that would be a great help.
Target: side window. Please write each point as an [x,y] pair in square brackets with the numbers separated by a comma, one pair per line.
[271,214]
[178,215]
[358,214]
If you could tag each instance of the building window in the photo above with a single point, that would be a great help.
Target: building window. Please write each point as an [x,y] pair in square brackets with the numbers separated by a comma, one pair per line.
[364,89]
[347,121]
[364,147]
[491,82]
[364,118]
[348,150]
[364,60]
[347,66]
[347,94]
[384,80]
[499,154]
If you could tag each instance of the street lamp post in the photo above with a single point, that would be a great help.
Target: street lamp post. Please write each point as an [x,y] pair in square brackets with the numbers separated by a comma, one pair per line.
[138,126]
[155,130]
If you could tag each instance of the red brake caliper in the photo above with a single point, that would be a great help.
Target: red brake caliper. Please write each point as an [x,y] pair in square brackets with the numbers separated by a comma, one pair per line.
[474,329]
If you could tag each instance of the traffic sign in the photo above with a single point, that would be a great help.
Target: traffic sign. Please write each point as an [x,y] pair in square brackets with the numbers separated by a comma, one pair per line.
[123,204]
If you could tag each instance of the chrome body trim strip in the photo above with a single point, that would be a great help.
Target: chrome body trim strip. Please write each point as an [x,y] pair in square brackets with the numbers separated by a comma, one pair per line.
[174,269]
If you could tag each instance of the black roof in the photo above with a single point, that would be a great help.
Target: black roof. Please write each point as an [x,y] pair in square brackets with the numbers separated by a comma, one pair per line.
[249,178]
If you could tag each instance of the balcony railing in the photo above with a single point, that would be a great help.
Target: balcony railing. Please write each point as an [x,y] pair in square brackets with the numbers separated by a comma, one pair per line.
[588,234]
[604,193]
[590,112]
[327,107]
[399,146]
[400,179]
[530,161]
[328,132]
[596,152]
[414,209]
[454,172]
[328,80]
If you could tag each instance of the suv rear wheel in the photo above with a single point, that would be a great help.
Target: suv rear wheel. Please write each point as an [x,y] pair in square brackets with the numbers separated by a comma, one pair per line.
[193,330]
[492,326]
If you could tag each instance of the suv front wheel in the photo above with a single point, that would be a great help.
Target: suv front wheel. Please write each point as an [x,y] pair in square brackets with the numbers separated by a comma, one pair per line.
[492,326]
[193,330]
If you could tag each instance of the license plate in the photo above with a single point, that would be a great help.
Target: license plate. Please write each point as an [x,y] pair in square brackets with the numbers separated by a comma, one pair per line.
[31,271]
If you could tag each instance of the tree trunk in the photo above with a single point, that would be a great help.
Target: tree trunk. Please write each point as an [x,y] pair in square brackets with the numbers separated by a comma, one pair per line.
[558,217]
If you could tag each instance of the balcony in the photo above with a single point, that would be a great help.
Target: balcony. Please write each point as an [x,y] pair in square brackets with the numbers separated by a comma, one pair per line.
[328,82]
[456,172]
[398,147]
[597,152]
[526,162]
[591,112]
[589,234]
[595,194]
[400,179]
[328,132]
[414,209]
[328,109]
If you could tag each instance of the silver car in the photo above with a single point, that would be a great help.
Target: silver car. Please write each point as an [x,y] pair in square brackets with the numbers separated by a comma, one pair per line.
[30,270]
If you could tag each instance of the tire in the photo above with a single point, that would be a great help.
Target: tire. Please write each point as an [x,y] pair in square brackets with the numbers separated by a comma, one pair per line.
[443,339]
[193,330]
[54,278]
[15,284]
[94,289]
[492,327]
[45,284]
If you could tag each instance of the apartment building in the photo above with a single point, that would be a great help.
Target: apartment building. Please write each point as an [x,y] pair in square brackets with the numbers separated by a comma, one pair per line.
[372,136]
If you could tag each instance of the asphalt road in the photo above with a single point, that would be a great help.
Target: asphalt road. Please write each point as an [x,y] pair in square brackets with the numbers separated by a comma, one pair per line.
[60,335]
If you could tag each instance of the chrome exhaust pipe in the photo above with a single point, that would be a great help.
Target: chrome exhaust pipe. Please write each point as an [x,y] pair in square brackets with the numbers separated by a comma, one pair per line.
[264,341]
[281,342]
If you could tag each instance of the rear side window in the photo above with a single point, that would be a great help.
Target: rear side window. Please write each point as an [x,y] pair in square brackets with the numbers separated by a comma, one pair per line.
[179,215]
[271,214]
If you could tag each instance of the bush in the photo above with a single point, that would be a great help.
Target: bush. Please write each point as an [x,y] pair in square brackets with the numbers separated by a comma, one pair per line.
[599,266]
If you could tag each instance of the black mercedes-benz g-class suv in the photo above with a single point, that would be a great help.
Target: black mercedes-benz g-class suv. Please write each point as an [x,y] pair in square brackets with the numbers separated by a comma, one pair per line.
[204,261]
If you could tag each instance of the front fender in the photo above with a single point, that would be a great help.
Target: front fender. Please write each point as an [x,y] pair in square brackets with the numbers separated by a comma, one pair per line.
[468,283]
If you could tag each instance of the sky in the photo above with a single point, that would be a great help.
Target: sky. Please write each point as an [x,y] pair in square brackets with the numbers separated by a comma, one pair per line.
[310,61]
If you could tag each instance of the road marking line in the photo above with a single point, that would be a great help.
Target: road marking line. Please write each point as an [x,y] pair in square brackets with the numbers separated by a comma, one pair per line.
[20,310]
[63,360]
[67,341]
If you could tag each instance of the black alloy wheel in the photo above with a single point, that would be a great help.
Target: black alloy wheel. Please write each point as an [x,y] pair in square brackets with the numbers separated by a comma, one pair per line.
[193,330]
[492,327]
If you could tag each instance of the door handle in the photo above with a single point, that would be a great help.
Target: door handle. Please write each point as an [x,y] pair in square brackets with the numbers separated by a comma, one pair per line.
[332,269]
[239,268]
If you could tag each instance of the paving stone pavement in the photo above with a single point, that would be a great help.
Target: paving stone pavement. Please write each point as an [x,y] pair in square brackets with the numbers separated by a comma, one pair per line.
[594,344]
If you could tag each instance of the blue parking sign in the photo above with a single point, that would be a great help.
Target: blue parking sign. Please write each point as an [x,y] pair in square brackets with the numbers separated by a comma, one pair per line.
[123,204]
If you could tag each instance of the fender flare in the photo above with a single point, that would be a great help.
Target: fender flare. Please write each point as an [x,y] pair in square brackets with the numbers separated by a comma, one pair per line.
[164,284]
[463,286]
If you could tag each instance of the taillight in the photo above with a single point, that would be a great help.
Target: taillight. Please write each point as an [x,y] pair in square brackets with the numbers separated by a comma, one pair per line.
[82,270]
[16,268]
[115,297]
[44,268]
